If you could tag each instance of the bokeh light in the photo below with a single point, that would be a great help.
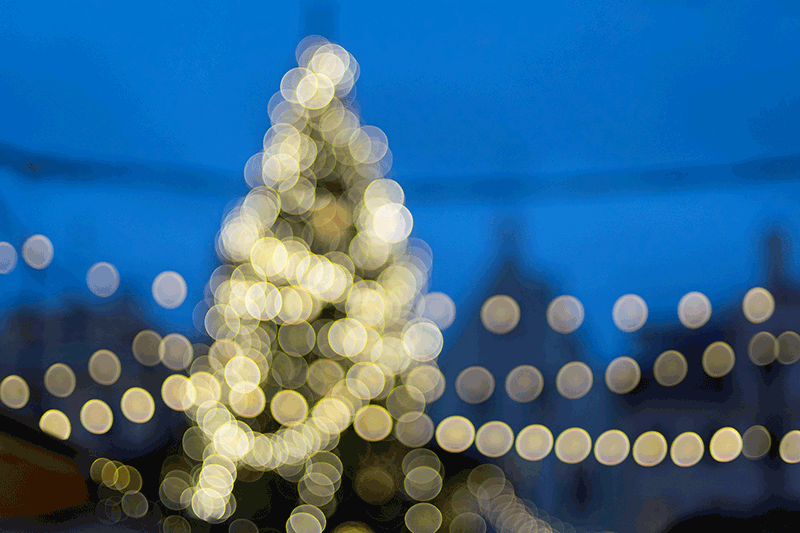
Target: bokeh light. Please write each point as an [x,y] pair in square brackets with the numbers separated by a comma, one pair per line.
[718,359]
[104,367]
[500,314]
[169,290]
[756,442]
[725,445]
[38,252]
[574,380]
[687,449]
[455,434]
[102,279]
[137,405]
[14,392]
[623,375]
[8,258]
[475,384]
[524,383]
[611,447]
[494,439]
[59,380]
[573,445]
[758,305]
[96,416]
[650,448]
[534,442]
[788,347]
[629,312]
[670,368]
[565,314]
[56,424]
[694,310]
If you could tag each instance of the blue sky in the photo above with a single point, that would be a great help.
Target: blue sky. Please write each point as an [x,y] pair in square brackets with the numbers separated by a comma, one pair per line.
[459,89]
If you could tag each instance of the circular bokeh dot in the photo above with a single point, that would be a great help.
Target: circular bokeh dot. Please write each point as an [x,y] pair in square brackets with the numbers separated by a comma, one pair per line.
[475,384]
[611,447]
[14,392]
[102,279]
[650,448]
[623,375]
[756,442]
[8,258]
[38,252]
[534,442]
[574,380]
[565,314]
[500,314]
[670,368]
[758,305]
[524,383]
[169,290]
[687,449]
[718,359]
[694,310]
[629,312]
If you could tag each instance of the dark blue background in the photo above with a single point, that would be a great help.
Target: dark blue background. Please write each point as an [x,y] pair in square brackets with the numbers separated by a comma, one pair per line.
[587,150]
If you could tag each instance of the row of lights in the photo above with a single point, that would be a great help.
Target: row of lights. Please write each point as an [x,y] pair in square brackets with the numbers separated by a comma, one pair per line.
[500,314]
[525,383]
[169,288]
[494,439]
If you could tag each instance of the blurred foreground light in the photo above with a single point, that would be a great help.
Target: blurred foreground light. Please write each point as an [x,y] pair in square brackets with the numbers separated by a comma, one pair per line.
[475,384]
[423,518]
[694,310]
[145,347]
[303,523]
[524,383]
[758,305]
[725,445]
[38,252]
[494,439]
[455,434]
[102,279]
[789,447]
[169,290]
[573,445]
[718,359]
[372,423]
[137,405]
[56,424]
[59,380]
[534,442]
[96,417]
[611,447]
[756,442]
[565,314]
[14,392]
[500,314]
[440,308]
[762,348]
[788,347]
[670,368]
[629,312]
[574,380]
[8,258]
[414,429]
[175,351]
[178,392]
[650,448]
[623,375]
[687,449]
[104,367]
